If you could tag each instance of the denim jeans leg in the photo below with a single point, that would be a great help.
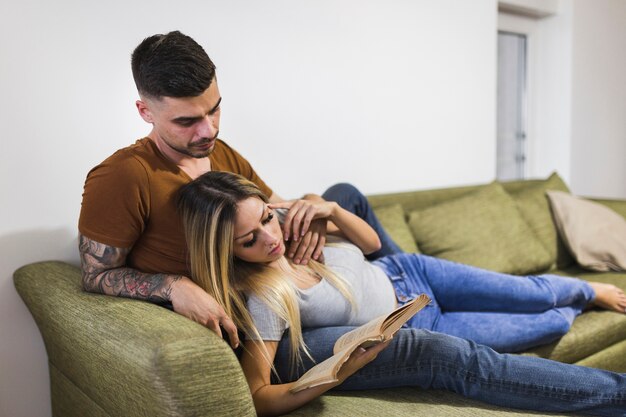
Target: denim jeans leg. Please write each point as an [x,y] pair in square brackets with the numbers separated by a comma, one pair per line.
[460,287]
[436,361]
[507,313]
[351,199]
[508,332]
[319,341]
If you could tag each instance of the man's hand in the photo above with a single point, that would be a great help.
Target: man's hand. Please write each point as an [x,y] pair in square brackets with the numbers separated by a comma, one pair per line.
[310,245]
[194,303]
[305,225]
[104,272]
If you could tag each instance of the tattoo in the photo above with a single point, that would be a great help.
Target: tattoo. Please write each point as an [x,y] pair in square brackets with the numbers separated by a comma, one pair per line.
[104,271]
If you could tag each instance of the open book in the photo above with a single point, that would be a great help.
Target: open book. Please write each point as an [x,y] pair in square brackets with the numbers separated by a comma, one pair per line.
[376,331]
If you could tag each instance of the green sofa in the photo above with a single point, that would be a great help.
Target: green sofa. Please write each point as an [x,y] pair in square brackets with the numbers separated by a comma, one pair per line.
[118,357]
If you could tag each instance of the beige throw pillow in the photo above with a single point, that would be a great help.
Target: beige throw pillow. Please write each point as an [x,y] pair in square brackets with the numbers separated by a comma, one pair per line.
[595,234]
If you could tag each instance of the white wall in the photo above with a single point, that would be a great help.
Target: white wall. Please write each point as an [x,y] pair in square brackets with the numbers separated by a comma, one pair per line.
[599,98]
[387,95]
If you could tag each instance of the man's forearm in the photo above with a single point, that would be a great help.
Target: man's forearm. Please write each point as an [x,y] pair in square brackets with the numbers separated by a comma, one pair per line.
[128,282]
[103,272]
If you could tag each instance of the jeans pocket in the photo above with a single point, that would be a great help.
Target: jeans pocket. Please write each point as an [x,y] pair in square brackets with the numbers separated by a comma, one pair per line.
[403,290]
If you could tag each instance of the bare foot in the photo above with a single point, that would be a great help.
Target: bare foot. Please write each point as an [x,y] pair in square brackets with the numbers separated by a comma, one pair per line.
[609,296]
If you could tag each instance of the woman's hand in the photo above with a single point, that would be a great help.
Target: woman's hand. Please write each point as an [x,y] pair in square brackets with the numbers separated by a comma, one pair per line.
[277,399]
[301,213]
[359,358]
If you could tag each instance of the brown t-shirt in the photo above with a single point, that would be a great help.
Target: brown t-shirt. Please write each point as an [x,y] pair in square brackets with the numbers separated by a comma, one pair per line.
[129,201]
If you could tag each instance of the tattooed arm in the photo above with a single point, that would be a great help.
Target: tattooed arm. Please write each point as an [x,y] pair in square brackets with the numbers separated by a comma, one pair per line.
[104,271]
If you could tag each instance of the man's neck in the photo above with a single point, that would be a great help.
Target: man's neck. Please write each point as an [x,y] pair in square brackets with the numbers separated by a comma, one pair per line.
[194,167]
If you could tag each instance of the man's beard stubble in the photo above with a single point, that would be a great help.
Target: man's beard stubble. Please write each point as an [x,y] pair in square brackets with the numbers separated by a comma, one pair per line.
[198,155]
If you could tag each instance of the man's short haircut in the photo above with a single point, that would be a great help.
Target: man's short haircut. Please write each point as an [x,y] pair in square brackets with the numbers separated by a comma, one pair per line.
[171,65]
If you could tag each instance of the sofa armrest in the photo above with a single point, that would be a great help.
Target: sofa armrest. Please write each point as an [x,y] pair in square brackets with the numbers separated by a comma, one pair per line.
[619,206]
[130,357]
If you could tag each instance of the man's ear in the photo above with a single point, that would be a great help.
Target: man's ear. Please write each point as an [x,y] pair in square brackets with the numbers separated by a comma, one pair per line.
[144,111]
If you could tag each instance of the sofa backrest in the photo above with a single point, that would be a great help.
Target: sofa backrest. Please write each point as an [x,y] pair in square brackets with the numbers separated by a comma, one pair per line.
[522,202]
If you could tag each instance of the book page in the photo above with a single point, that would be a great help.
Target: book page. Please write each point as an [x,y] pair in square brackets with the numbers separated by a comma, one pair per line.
[378,330]
[322,373]
[362,333]
[401,315]
[382,328]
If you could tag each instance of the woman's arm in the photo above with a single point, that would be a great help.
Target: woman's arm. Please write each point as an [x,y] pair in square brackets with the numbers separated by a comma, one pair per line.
[341,222]
[276,399]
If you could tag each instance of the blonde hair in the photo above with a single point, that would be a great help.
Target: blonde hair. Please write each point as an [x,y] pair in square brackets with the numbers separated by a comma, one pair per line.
[208,206]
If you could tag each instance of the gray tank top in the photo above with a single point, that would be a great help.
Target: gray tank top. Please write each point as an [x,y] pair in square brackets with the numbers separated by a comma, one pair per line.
[322,305]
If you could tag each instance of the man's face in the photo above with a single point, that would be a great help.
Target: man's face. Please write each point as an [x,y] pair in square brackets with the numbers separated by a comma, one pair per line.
[184,127]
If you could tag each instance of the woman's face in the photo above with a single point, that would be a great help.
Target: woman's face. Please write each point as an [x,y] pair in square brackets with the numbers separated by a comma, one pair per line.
[258,236]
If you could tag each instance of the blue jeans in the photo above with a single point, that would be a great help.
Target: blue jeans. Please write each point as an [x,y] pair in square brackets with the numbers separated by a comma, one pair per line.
[505,312]
[351,199]
[425,359]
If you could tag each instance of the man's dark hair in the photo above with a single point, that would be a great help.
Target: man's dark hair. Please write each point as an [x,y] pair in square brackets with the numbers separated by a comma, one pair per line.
[171,65]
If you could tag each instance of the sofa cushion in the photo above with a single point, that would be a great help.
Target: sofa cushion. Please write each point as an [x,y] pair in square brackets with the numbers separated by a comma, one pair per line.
[594,233]
[535,209]
[483,229]
[393,220]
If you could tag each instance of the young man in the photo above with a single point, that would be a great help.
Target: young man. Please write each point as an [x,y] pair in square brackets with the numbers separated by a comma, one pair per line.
[131,238]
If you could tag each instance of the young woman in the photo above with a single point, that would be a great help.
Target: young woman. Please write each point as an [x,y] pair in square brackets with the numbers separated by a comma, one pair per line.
[236,249]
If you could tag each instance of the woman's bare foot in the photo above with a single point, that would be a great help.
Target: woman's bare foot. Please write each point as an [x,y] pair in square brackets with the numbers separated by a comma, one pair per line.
[609,296]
